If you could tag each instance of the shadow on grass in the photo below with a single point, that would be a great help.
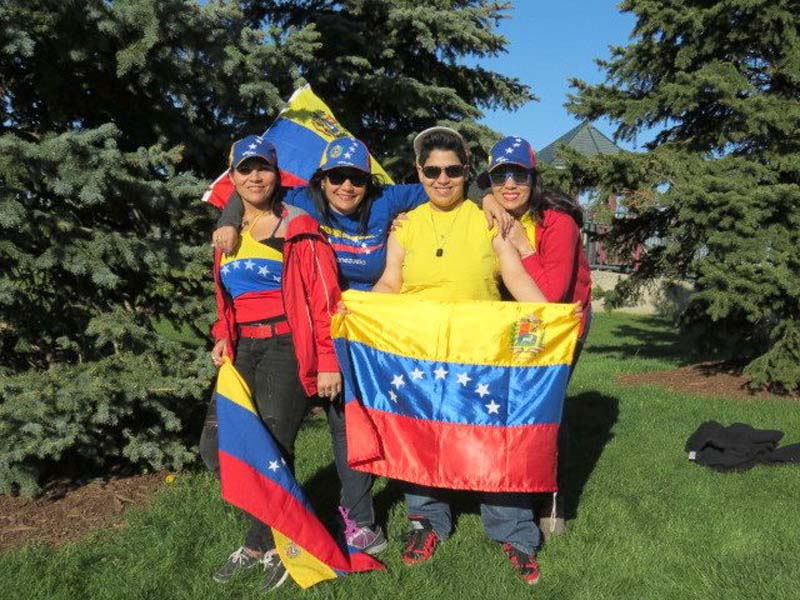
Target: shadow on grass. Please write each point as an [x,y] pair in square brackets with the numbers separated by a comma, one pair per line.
[589,418]
[647,337]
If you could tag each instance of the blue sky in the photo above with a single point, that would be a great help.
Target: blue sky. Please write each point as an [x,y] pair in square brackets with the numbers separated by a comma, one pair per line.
[549,42]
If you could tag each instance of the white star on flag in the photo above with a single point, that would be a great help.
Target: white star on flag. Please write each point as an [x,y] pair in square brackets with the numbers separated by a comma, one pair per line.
[274,466]
[225,270]
[393,396]
[276,278]
[252,146]
[464,379]
[509,150]
[398,381]
[441,373]
[493,408]
[235,264]
[347,155]
[417,374]
[482,390]
[249,265]
[263,271]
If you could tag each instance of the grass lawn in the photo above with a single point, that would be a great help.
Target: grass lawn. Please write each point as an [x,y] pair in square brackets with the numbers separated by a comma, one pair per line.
[645,522]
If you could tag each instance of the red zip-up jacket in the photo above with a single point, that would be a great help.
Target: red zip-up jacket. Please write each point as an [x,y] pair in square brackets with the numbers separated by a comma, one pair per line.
[559,266]
[310,296]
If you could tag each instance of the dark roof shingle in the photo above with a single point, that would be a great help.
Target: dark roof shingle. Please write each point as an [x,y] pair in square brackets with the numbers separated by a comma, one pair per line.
[585,138]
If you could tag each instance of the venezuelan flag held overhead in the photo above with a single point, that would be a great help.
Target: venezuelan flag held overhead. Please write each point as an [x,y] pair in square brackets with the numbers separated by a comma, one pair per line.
[300,133]
[256,479]
[459,395]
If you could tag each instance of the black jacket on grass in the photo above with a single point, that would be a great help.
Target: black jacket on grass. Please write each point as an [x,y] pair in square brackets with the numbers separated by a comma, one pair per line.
[738,447]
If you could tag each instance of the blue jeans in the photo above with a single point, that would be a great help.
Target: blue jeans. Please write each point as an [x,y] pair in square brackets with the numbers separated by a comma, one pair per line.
[507,517]
[356,486]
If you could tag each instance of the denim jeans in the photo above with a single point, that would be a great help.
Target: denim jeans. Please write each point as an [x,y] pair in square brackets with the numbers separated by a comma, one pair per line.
[506,517]
[356,486]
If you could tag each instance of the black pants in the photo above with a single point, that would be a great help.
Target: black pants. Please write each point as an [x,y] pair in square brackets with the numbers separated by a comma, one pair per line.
[269,368]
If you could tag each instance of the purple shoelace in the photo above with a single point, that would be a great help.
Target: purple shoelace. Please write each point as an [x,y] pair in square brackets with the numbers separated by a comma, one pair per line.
[350,526]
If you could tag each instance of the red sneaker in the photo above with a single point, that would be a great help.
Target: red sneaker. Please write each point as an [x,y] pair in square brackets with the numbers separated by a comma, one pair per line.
[421,541]
[525,564]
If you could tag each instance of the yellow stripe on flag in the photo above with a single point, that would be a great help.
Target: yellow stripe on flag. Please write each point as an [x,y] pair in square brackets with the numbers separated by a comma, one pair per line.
[303,567]
[231,385]
[488,333]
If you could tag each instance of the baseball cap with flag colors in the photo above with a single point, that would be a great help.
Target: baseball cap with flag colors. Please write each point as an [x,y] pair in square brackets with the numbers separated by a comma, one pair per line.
[250,147]
[345,152]
[512,150]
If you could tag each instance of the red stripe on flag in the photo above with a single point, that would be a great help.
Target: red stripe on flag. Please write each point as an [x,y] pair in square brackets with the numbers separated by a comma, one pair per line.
[270,503]
[456,456]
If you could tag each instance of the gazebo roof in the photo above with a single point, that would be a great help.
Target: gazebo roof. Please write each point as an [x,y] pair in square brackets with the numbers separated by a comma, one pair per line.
[585,138]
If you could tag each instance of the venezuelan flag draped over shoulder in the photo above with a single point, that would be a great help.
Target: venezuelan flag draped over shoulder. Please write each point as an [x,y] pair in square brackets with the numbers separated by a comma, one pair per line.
[256,478]
[300,133]
[459,395]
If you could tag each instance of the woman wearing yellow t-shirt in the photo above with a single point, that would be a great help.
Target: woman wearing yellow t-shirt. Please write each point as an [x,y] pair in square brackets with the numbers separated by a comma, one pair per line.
[444,251]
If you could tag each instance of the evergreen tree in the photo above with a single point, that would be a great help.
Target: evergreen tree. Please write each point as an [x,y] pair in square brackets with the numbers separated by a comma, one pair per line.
[720,186]
[391,68]
[115,115]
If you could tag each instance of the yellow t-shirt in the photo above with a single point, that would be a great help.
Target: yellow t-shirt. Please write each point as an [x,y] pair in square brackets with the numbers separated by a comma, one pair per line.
[467,268]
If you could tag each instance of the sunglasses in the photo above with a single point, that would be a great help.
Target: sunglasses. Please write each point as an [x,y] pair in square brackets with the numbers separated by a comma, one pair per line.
[452,171]
[518,175]
[338,177]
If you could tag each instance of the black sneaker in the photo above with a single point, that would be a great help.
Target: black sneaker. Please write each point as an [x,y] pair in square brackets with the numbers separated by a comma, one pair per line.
[525,565]
[275,572]
[241,560]
[421,541]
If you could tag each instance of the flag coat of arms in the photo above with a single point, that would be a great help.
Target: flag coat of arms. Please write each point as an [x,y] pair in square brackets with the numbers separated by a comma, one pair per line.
[299,133]
[255,478]
[458,395]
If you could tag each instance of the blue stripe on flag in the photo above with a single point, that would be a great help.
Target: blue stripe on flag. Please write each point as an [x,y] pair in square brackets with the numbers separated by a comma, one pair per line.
[453,392]
[244,436]
[299,148]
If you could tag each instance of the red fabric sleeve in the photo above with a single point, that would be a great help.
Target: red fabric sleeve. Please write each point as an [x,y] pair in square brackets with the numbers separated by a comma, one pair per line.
[224,328]
[324,295]
[553,266]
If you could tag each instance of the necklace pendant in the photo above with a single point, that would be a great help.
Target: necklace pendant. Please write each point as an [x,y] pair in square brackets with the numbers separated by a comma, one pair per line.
[439,251]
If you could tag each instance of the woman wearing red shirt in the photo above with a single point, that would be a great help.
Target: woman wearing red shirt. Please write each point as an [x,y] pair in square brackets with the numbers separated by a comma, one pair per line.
[275,294]
[547,235]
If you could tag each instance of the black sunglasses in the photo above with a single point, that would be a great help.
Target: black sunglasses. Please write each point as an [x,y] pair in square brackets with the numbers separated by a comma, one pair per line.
[518,175]
[338,177]
[451,171]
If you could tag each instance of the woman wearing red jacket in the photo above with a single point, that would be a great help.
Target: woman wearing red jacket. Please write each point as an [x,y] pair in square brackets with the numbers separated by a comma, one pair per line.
[547,235]
[276,294]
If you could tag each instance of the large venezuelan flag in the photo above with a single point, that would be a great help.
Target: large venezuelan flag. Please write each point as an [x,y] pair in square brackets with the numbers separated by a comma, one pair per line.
[300,133]
[459,395]
[256,479]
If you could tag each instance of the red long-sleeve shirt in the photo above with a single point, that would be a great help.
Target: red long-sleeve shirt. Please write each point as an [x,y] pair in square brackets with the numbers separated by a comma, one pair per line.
[559,266]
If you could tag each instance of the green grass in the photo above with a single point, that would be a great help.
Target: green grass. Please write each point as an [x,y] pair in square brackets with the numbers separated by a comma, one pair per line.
[645,522]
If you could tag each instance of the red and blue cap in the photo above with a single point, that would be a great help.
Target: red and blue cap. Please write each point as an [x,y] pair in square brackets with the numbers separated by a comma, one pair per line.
[345,152]
[512,150]
[253,146]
